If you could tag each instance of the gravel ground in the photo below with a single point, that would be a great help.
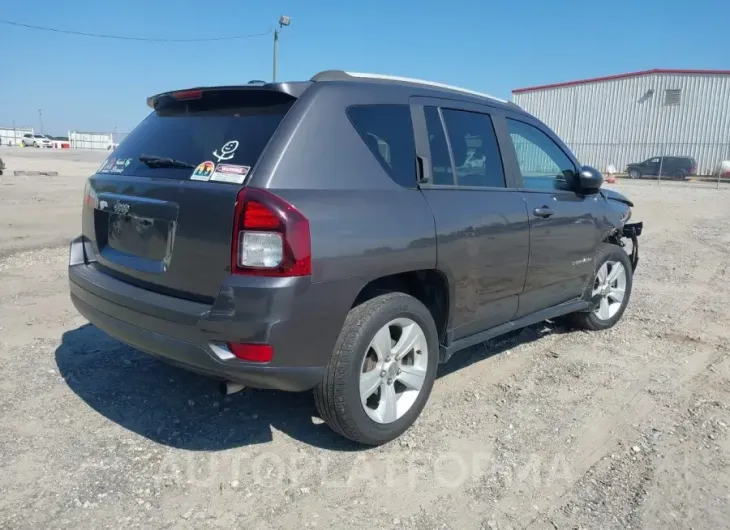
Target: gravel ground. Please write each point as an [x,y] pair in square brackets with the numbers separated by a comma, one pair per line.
[544,428]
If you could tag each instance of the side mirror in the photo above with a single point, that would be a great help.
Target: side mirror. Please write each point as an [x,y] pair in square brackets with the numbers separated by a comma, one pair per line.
[590,179]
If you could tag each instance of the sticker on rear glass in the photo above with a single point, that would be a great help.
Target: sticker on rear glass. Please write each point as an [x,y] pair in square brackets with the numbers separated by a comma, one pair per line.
[203,171]
[230,173]
[107,165]
[227,151]
[120,165]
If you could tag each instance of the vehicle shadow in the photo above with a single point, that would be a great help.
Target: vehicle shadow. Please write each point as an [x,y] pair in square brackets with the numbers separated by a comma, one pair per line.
[485,350]
[180,409]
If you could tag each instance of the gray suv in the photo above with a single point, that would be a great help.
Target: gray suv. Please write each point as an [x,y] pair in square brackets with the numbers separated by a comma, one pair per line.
[344,235]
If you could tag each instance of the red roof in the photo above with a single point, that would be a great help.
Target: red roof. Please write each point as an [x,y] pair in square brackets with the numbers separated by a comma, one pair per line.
[621,76]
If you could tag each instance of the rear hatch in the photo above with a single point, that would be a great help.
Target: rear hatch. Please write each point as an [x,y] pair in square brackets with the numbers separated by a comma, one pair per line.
[160,209]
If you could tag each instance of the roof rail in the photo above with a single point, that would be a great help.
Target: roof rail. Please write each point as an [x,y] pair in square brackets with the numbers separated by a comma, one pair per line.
[341,75]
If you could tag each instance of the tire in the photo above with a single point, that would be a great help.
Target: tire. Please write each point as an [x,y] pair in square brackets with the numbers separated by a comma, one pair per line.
[338,396]
[634,174]
[594,320]
[35,144]
[680,175]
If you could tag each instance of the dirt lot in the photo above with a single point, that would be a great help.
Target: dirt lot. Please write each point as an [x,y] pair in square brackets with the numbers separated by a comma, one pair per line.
[542,429]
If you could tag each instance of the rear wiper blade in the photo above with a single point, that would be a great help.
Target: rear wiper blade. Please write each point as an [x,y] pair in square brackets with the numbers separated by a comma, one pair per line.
[160,161]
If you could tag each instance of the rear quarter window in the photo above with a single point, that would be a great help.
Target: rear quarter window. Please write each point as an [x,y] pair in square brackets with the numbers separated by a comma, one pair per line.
[387,130]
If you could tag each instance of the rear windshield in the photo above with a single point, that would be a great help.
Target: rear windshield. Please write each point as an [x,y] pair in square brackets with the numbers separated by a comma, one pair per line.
[231,127]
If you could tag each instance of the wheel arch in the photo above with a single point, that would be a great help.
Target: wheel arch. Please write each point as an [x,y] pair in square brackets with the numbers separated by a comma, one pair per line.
[430,286]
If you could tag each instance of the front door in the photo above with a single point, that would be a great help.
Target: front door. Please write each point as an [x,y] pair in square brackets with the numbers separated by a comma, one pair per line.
[563,230]
[651,167]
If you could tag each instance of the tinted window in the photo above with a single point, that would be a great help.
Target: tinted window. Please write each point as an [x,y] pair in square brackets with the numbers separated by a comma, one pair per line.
[441,172]
[544,166]
[474,149]
[194,130]
[388,132]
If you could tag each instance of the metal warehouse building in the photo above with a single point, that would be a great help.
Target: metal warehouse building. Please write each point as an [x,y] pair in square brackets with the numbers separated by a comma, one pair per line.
[631,117]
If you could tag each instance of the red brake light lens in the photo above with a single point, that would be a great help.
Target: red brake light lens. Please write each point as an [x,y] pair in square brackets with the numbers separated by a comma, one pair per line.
[270,236]
[188,94]
[257,216]
[90,198]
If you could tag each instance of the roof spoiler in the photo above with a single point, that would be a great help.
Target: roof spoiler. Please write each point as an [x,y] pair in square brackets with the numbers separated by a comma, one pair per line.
[294,89]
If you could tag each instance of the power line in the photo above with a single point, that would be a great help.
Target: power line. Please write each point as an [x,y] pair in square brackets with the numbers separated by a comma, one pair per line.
[125,37]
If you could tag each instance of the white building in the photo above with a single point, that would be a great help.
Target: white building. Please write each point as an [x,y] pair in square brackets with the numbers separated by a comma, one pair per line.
[90,140]
[631,117]
[12,135]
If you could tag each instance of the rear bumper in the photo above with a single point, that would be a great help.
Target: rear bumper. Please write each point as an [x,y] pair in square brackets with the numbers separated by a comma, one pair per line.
[300,320]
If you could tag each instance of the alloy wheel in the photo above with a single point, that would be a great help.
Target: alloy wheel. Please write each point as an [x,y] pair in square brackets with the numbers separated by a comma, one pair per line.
[393,370]
[610,288]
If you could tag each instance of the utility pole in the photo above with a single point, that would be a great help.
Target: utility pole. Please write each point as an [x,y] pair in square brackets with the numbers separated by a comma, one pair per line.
[276,51]
[283,21]
[40,118]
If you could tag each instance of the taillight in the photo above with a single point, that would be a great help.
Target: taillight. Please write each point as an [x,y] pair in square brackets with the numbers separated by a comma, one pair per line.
[270,236]
[90,198]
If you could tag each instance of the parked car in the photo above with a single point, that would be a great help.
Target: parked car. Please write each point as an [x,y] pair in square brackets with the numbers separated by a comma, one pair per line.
[2,166]
[338,235]
[36,140]
[678,167]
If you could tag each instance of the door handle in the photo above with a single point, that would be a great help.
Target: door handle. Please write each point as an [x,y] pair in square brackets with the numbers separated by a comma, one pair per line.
[543,212]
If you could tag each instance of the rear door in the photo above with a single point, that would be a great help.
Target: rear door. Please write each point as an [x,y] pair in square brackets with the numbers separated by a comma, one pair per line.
[481,221]
[563,228]
[168,228]
[668,166]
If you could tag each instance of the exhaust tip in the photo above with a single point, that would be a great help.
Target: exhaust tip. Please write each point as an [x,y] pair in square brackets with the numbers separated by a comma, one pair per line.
[229,387]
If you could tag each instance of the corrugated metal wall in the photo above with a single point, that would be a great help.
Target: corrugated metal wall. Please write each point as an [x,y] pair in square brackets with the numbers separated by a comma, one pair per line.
[622,121]
[12,135]
[90,140]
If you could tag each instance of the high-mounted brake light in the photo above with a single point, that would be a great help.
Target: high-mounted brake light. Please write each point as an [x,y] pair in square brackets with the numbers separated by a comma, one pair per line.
[270,236]
[187,94]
